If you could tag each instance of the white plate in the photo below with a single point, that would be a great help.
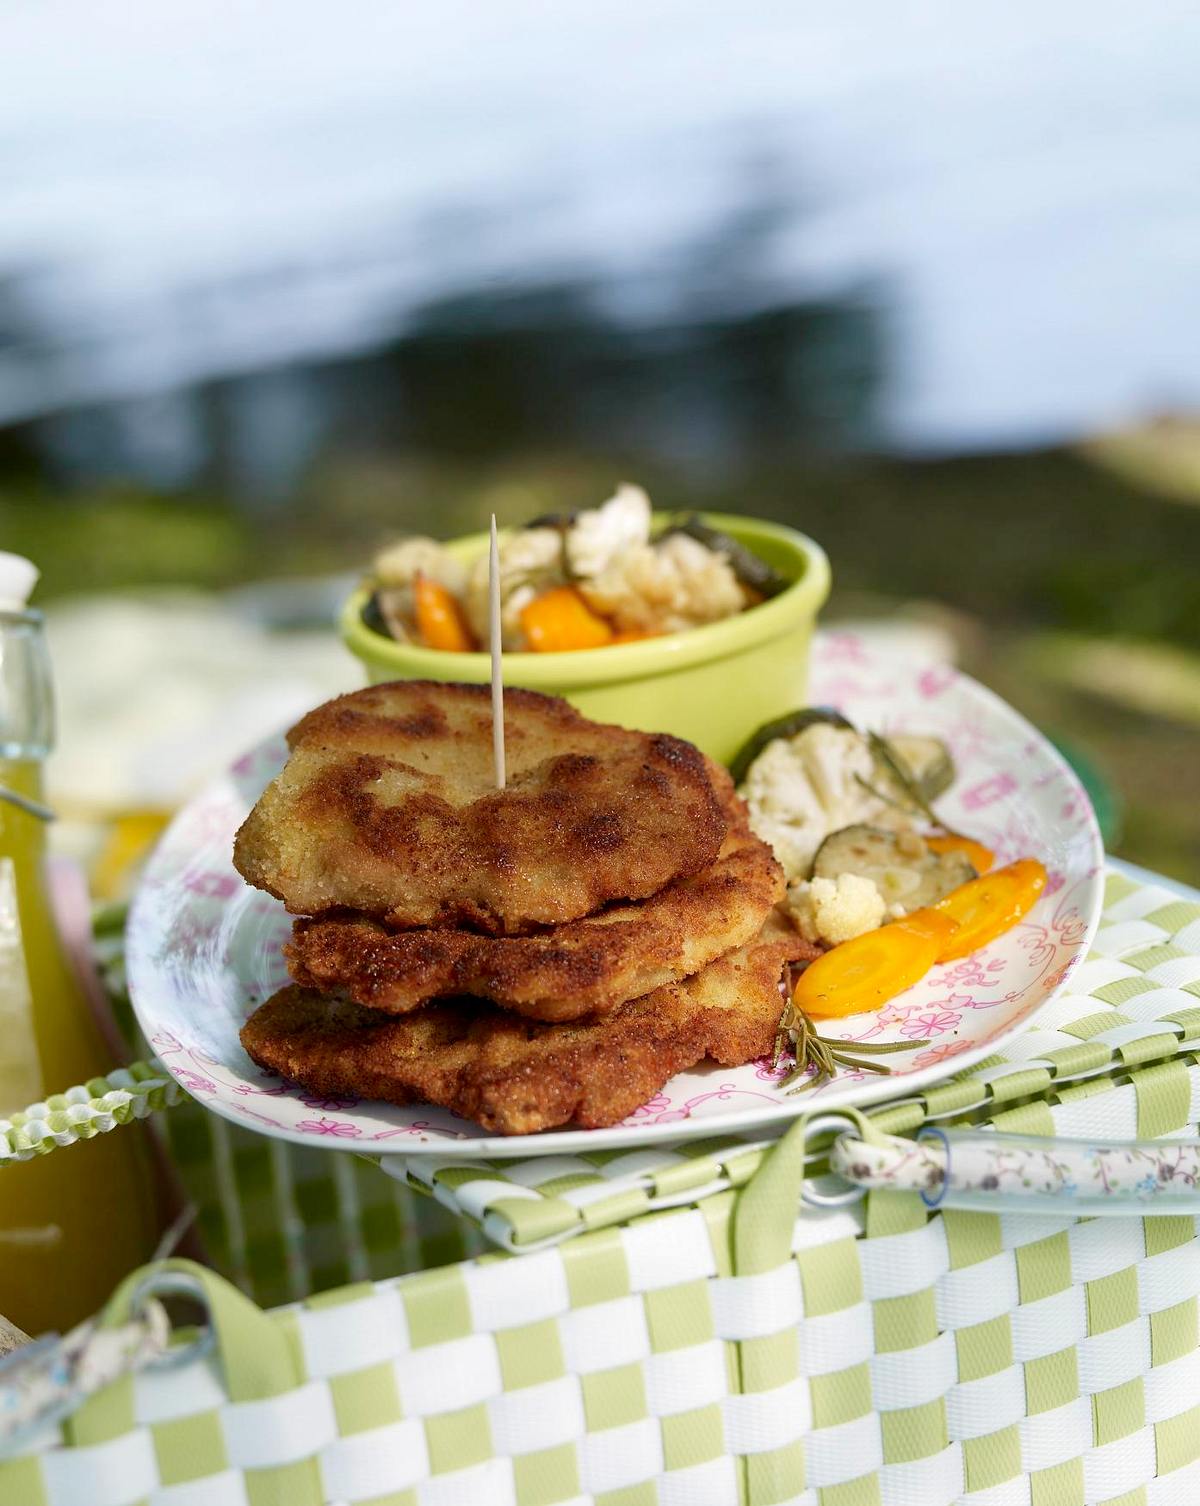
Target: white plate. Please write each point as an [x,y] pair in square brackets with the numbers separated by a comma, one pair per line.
[204,950]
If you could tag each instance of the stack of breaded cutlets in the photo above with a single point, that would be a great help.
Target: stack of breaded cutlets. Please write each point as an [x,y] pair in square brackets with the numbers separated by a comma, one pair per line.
[543,954]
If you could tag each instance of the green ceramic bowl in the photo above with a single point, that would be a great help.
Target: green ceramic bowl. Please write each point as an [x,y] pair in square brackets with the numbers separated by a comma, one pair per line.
[713,685]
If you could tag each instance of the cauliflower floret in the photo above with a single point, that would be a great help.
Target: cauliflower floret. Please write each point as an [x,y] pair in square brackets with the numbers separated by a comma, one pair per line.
[835,910]
[400,564]
[601,535]
[792,844]
[666,587]
[531,561]
[801,788]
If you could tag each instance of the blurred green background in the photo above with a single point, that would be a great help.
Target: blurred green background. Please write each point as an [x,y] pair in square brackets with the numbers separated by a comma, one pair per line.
[1068,586]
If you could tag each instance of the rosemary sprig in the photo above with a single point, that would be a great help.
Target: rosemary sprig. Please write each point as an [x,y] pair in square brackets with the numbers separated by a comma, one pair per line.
[814,1051]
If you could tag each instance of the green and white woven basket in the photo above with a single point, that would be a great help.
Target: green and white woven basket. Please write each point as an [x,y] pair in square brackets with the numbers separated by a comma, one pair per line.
[740,1347]
[281,1221]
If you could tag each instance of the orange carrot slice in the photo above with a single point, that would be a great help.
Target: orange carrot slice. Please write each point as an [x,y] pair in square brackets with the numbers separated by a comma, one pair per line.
[988,906]
[866,972]
[440,620]
[930,922]
[980,857]
[559,621]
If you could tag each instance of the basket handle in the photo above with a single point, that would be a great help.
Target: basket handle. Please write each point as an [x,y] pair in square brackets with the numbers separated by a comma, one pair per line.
[986,1171]
[92,1108]
[50,1380]
[835,1158]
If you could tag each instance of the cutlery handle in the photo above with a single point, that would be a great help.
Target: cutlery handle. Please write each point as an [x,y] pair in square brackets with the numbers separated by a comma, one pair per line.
[983,1170]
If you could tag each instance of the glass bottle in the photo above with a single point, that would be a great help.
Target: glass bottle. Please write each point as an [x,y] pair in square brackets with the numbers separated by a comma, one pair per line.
[72,1222]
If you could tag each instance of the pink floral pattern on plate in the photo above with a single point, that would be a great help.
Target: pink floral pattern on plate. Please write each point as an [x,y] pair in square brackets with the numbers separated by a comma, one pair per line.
[204,950]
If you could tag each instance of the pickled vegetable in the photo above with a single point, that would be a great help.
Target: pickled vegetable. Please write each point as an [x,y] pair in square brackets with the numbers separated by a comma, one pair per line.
[927,761]
[560,621]
[901,865]
[753,573]
[441,622]
[991,905]
[784,726]
[981,858]
[863,974]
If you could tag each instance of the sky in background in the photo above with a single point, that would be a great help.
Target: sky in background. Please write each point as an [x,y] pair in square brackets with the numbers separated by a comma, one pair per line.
[199,188]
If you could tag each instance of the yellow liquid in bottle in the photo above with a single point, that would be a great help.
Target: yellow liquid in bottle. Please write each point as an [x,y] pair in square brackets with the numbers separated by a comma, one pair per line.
[75,1221]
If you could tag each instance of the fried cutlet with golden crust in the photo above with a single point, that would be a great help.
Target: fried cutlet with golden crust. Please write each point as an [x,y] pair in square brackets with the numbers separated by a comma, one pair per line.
[387,806]
[585,967]
[514,1076]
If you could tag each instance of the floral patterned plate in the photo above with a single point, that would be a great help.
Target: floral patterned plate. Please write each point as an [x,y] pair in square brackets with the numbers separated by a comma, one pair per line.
[203,949]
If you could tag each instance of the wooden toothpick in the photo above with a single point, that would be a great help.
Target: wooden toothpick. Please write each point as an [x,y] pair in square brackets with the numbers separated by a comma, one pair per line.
[497,679]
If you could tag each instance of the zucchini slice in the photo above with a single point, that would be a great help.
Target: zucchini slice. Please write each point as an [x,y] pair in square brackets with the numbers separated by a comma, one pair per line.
[927,760]
[382,612]
[893,771]
[783,726]
[373,618]
[752,572]
[902,868]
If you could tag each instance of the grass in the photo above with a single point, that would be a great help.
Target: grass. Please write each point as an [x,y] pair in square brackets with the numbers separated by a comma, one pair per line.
[113,540]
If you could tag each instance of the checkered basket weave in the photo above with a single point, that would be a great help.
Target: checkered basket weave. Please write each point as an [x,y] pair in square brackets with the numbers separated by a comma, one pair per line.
[739,1350]
[731,1352]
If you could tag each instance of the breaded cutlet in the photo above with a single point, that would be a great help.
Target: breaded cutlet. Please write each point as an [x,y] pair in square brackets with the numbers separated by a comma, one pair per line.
[515,1076]
[584,967]
[387,806]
